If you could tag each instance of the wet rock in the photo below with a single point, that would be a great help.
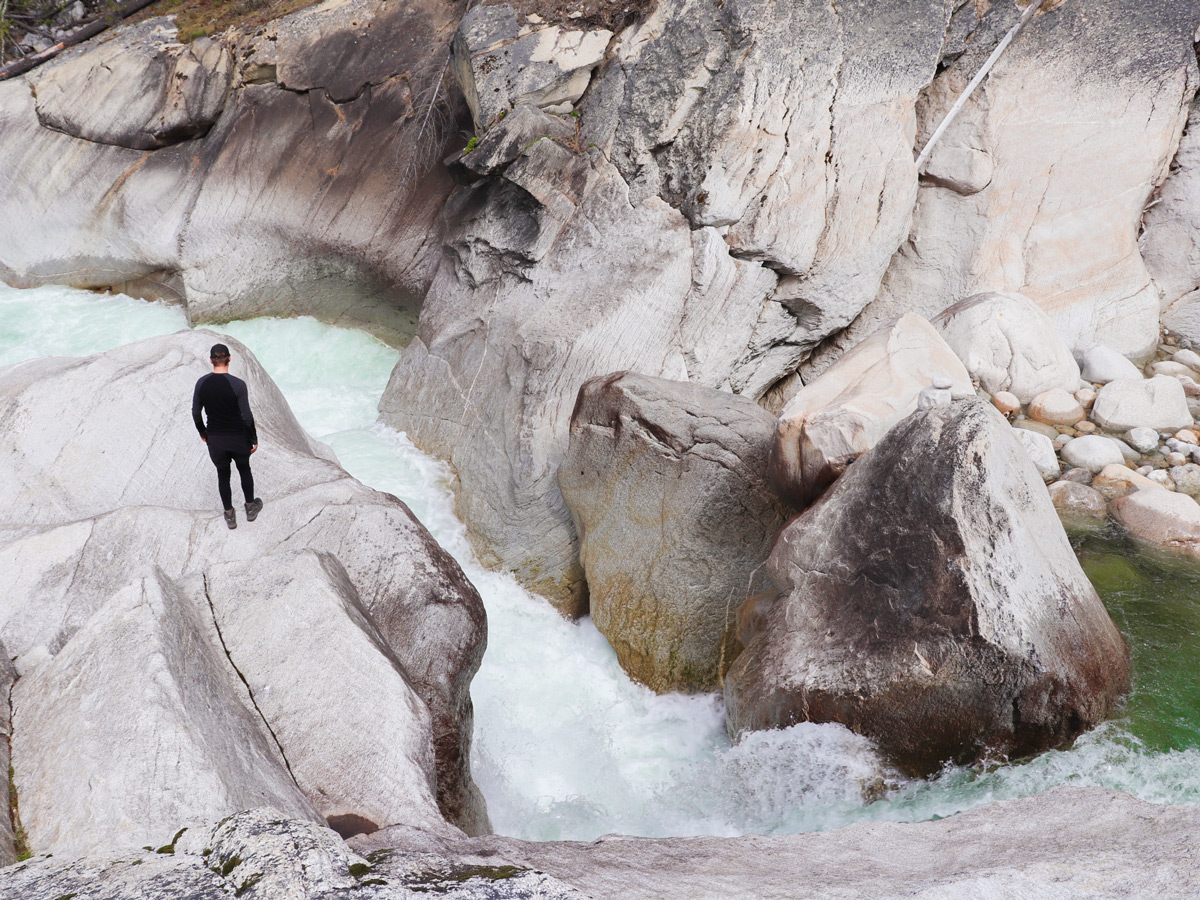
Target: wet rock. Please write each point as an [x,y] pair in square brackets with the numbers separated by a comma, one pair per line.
[1008,344]
[1157,402]
[502,63]
[1116,481]
[667,486]
[850,407]
[1165,519]
[1078,505]
[357,738]
[1092,452]
[1055,407]
[1078,475]
[143,89]
[946,520]
[107,516]
[1101,364]
[138,725]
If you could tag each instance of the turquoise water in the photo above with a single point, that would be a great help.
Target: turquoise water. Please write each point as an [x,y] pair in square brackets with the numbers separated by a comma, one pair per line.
[566,746]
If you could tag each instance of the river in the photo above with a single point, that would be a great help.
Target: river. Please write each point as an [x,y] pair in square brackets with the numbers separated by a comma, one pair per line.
[566,746]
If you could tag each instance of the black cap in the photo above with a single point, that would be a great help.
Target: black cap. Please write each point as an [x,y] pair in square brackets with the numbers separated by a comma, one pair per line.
[218,351]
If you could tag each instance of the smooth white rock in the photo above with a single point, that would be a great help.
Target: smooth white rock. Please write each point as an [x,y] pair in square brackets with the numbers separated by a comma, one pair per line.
[1076,156]
[357,738]
[83,520]
[1009,344]
[1189,358]
[1092,452]
[1055,407]
[1101,364]
[1142,438]
[1157,402]
[140,725]
[854,403]
[1172,370]
[1041,452]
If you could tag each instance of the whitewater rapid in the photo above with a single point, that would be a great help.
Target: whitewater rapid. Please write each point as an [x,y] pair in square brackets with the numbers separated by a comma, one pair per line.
[566,746]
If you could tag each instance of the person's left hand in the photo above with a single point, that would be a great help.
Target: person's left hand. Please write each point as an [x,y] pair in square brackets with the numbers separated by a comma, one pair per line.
[255,447]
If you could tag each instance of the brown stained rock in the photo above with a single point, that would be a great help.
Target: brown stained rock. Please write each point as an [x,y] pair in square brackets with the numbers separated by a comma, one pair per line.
[667,486]
[931,601]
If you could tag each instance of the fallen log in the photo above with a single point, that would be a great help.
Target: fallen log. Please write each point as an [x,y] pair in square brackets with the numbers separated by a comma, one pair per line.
[91,29]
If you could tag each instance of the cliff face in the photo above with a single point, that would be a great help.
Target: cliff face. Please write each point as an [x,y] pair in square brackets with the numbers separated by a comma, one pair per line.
[284,172]
[718,192]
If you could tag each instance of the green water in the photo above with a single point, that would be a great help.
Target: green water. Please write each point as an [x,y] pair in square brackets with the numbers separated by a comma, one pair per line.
[1155,601]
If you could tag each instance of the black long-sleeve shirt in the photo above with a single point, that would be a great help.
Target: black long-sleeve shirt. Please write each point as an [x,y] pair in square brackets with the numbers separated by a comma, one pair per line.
[227,405]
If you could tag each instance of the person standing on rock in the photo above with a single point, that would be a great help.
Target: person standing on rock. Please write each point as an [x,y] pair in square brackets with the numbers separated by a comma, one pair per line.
[230,432]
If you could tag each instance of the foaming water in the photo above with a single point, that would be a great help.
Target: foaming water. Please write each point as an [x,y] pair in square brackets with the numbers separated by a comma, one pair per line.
[566,746]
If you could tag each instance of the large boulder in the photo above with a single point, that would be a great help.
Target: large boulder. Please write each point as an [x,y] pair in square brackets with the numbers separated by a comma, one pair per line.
[667,486]
[1008,344]
[1166,519]
[357,738]
[931,601]
[1039,184]
[1157,403]
[138,725]
[849,408]
[143,89]
[103,516]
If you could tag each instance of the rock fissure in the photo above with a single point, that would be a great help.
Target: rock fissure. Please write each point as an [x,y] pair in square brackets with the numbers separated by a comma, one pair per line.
[249,691]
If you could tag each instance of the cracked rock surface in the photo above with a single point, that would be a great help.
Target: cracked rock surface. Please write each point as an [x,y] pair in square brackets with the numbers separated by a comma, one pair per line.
[83,525]
[715,221]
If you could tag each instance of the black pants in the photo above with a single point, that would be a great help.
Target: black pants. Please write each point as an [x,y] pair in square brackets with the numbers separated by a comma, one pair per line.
[222,449]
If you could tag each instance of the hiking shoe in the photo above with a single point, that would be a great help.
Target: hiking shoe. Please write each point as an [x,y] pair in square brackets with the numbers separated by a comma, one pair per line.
[231,518]
[253,508]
